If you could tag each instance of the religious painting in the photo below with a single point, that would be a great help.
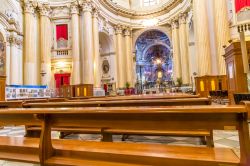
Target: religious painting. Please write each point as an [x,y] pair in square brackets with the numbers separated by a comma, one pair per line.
[105,66]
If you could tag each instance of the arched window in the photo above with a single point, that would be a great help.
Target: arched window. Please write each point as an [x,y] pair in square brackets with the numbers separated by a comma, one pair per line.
[149,2]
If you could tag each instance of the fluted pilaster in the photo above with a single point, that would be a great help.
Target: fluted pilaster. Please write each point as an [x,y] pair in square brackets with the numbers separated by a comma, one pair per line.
[76,64]
[176,51]
[184,52]
[202,38]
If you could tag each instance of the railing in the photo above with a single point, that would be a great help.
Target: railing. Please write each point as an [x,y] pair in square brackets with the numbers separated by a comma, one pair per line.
[61,53]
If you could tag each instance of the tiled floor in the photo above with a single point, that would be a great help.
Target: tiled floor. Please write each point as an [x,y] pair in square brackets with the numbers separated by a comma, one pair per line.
[221,139]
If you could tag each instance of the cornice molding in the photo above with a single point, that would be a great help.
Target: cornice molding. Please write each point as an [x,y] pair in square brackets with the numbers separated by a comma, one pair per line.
[133,14]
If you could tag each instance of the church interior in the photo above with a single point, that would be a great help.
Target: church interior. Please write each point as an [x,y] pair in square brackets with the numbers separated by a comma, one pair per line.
[124,82]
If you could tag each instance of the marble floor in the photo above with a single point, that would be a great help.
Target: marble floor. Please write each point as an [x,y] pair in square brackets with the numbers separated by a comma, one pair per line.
[227,139]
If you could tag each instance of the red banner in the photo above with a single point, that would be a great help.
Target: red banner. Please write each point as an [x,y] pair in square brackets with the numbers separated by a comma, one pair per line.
[62,31]
[240,4]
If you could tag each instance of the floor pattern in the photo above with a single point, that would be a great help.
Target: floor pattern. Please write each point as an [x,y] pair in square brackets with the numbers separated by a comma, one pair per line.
[228,139]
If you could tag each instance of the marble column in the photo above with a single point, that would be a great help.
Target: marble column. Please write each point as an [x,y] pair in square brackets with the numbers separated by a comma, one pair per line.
[45,42]
[184,52]
[222,32]
[88,58]
[97,70]
[30,68]
[76,64]
[120,56]
[128,56]
[177,72]
[202,38]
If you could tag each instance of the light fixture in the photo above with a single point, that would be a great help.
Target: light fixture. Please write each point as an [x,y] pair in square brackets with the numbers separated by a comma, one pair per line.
[61,64]
[158,61]
[150,22]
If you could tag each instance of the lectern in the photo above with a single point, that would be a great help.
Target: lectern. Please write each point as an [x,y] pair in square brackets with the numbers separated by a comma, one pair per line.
[237,79]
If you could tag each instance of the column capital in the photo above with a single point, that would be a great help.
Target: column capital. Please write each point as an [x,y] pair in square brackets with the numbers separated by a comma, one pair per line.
[183,18]
[44,10]
[95,13]
[74,9]
[127,32]
[175,24]
[86,6]
[29,7]
[118,29]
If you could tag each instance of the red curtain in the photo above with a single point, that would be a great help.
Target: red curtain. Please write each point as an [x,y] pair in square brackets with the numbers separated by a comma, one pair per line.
[62,79]
[239,4]
[62,31]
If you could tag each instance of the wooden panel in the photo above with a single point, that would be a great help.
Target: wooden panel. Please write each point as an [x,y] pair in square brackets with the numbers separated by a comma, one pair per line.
[237,79]
[204,84]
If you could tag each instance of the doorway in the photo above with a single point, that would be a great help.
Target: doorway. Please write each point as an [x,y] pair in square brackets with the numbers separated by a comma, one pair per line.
[62,79]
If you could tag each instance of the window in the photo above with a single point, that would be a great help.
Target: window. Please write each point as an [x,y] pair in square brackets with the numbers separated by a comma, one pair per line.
[149,2]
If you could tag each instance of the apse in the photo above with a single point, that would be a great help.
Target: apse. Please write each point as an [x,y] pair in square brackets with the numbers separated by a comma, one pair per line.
[153,58]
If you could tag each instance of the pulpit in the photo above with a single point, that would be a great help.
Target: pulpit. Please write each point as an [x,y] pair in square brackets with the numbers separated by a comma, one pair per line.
[237,79]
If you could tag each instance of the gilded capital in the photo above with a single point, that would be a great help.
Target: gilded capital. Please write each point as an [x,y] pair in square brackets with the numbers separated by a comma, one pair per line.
[86,6]
[175,24]
[95,13]
[29,7]
[74,8]
[118,29]
[44,10]
[127,32]
[183,18]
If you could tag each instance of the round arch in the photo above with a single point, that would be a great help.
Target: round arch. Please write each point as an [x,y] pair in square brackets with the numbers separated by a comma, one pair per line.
[138,33]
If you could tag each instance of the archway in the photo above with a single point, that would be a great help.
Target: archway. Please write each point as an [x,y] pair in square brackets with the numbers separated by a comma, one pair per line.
[153,60]
[107,61]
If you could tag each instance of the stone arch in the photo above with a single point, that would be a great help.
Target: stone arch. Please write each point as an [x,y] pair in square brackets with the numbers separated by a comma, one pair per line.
[155,44]
[106,42]
[162,29]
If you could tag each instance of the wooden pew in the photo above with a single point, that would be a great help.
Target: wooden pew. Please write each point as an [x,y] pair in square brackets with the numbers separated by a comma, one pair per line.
[75,152]
[206,136]
[137,97]
[123,103]
[11,104]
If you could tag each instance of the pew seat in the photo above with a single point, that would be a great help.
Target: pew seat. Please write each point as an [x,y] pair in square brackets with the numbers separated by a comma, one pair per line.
[96,153]
[112,154]
[207,136]
[10,148]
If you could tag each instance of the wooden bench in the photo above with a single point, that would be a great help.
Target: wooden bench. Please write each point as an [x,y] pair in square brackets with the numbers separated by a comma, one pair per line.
[75,152]
[206,136]
[122,103]
[137,97]
[11,104]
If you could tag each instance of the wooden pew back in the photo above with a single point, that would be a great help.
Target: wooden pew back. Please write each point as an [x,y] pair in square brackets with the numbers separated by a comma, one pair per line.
[137,118]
